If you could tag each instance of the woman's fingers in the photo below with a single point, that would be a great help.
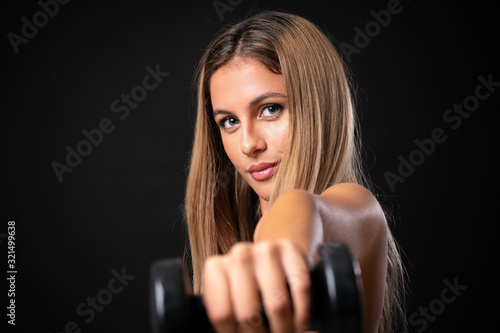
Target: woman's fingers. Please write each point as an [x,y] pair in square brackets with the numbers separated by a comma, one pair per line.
[237,284]
[299,280]
[244,288]
[217,295]
[274,291]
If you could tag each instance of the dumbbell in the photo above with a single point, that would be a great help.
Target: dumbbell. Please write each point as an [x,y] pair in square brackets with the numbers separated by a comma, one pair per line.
[336,297]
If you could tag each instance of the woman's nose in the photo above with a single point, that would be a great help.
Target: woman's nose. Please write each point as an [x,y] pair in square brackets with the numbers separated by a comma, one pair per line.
[252,141]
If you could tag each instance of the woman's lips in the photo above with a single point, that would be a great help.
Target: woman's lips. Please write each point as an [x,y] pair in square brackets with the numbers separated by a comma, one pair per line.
[263,171]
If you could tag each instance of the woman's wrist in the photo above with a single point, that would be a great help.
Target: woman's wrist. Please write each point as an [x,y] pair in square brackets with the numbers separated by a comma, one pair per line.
[293,216]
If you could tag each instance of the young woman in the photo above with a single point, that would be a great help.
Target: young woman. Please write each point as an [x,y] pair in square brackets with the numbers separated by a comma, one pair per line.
[274,172]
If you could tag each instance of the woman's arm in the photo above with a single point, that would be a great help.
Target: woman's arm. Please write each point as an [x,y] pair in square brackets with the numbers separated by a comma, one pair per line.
[346,213]
[285,242]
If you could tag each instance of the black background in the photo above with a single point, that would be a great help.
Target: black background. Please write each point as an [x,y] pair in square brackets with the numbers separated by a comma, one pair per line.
[119,208]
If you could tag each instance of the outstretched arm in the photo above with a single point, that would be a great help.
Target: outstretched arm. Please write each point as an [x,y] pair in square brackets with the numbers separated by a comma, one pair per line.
[285,243]
[346,213]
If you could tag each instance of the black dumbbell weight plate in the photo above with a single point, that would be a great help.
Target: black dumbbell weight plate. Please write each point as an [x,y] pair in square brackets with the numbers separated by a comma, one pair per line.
[336,295]
[173,309]
[336,300]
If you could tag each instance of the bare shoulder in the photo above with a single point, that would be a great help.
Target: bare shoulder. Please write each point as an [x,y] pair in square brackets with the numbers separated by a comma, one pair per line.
[354,197]
[351,213]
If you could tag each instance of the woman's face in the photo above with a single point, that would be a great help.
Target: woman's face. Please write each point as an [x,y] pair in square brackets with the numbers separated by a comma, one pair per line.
[250,107]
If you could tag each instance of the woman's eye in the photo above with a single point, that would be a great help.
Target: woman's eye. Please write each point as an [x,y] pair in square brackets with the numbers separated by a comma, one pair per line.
[271,110]
[229,122]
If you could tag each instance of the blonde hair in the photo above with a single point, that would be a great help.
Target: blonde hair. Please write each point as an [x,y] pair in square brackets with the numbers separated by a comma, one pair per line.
[322,147]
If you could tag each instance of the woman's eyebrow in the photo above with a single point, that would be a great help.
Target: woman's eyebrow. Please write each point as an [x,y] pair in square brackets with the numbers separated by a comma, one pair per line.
[216,112]
[253,102]
[264,96]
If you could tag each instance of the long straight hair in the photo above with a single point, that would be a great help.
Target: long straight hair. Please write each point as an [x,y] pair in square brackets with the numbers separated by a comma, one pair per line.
[322,147]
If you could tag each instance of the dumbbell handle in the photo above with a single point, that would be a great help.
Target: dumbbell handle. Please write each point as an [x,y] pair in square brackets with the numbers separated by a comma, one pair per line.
[335,298]
[203,324]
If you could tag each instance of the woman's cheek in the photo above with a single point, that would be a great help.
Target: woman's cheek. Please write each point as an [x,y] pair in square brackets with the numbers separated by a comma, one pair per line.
[279,134]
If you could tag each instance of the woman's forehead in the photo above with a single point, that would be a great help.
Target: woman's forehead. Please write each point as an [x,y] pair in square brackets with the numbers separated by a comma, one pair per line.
[244,80]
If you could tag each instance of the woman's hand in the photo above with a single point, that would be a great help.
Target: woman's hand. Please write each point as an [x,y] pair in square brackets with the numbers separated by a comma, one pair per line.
[236,284]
